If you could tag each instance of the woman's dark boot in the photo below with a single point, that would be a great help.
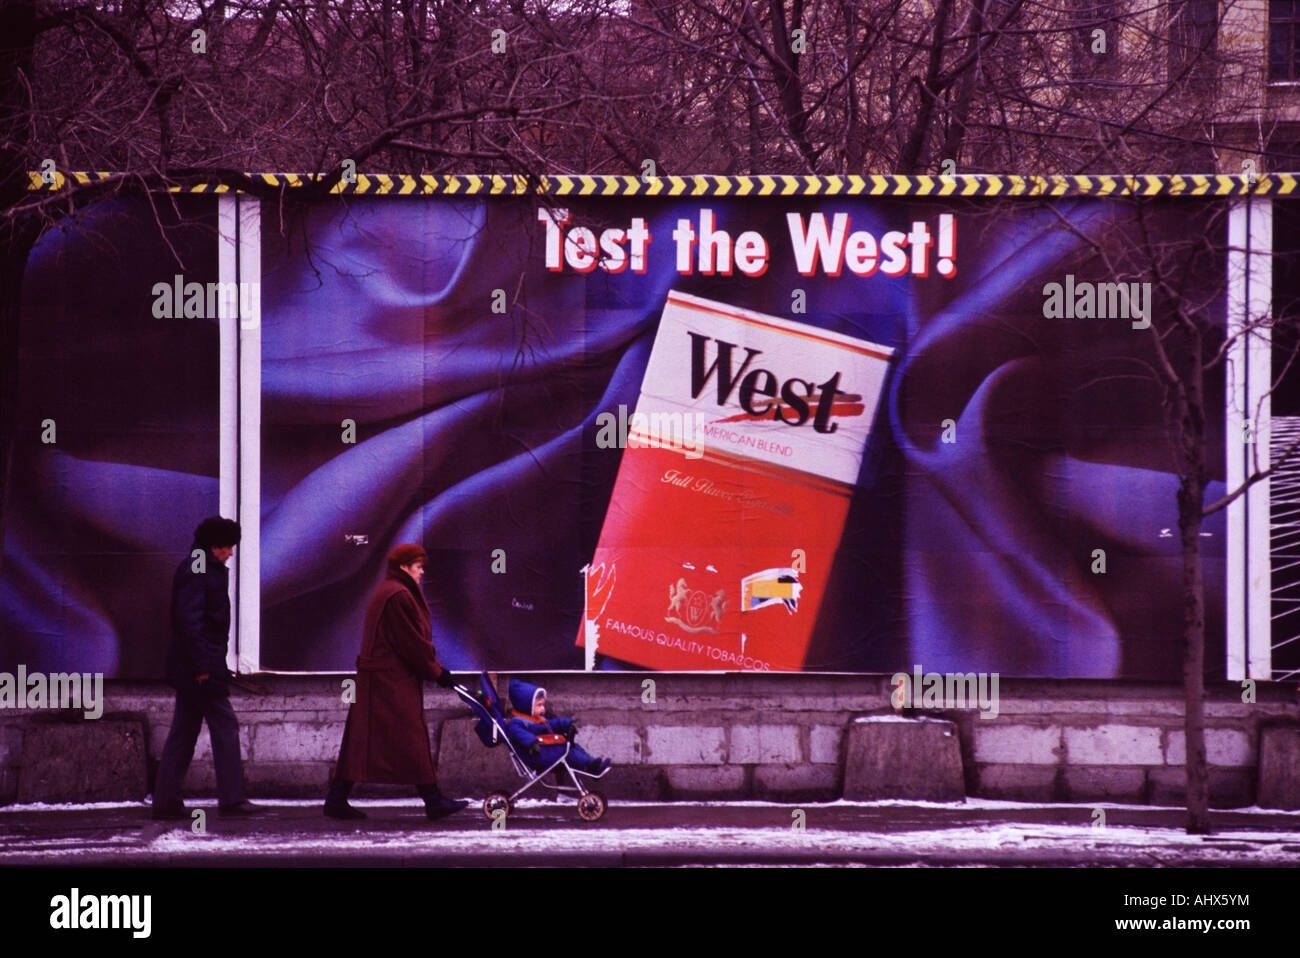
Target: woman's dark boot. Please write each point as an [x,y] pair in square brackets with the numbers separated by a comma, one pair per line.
[438,805]
[336,801]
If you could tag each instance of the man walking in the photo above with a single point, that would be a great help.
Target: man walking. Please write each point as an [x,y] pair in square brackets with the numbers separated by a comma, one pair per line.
[196,668]
[386,739]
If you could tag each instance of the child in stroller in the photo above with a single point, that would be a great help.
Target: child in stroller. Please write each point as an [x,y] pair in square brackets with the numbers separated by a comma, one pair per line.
[537,746]
[539,740]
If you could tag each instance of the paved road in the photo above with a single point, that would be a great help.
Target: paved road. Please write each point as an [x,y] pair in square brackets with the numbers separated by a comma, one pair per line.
[547,833]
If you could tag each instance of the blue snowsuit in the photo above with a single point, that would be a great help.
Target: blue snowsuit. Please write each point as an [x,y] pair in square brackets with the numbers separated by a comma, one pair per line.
[524,731]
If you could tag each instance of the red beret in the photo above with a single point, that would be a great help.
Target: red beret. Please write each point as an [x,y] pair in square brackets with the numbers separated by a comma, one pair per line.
[406,554]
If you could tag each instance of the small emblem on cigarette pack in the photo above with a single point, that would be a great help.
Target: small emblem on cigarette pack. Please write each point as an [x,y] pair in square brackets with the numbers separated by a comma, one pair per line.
[693,609]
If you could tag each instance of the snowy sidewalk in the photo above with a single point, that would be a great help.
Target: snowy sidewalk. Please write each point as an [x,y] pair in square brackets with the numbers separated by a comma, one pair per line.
[979,832]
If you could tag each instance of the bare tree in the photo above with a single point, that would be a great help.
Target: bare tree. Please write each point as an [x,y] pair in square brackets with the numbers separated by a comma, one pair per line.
[164,94]
[1184,346]
[1012,86]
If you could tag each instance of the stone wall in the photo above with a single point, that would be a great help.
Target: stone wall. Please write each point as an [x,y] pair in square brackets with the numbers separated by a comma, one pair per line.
[779,737]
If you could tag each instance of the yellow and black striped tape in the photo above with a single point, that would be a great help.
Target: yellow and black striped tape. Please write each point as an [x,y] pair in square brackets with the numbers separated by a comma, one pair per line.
[962,185]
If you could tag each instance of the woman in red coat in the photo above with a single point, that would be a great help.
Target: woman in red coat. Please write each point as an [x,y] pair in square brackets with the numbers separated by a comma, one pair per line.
[385,739]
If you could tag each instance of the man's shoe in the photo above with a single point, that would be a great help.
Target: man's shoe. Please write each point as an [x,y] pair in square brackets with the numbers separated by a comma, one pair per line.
[343,811]
[603,765]
[175,812]
[241,810]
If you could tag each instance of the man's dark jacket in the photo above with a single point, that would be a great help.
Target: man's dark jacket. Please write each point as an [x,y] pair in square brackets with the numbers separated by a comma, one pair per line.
[200,621]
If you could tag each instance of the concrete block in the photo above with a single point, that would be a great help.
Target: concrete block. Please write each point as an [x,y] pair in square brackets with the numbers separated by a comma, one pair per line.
[1113,745]
[633,783]
[288,779]
[1020,783]
[698,723]
[94,761]
[246,703]
[11,745]
[1232,787]
[1279,767]
[1148,708]
[621,743]
[764,744]
[1238,710]
[685,745]
[310,716]
[1030,705]
[1017,744]
[140,703]
[1167,786]
[294,742]
[722,781]
[825,744]
[1229,787]
[1223,747]
[892,757]
[466,765]
[799,783]
[8,784]
[1095,783]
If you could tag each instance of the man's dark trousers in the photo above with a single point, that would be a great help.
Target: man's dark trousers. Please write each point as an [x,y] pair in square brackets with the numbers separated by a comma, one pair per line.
[210,702]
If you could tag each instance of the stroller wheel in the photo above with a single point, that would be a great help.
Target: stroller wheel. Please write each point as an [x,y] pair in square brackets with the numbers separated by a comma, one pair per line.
[495,805]
[591,806]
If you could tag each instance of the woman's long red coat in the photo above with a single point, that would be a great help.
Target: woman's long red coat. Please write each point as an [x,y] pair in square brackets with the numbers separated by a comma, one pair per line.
[386,738]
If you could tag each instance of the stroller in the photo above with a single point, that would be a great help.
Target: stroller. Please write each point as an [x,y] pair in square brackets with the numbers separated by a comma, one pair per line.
[491,730]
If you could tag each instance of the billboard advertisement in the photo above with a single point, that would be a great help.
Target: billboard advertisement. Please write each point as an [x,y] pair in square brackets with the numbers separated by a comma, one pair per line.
[741,434]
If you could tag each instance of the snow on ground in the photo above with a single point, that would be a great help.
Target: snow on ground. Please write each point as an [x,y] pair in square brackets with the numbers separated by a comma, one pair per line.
[979,831]
[974,804]
[978,837]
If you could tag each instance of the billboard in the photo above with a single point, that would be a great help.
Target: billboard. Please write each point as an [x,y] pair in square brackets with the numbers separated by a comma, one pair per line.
[765,433]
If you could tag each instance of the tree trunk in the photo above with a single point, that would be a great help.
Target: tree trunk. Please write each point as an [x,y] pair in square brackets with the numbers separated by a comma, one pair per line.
[928,91]
[1190,494]
[789,83]
[960,111]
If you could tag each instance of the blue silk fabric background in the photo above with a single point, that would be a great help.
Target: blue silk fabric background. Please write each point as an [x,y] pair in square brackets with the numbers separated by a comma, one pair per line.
[96,522]
[476,432]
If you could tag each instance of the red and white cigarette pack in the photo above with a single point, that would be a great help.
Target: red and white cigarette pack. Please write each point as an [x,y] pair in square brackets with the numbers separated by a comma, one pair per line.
[732,491]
